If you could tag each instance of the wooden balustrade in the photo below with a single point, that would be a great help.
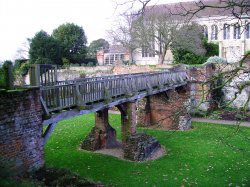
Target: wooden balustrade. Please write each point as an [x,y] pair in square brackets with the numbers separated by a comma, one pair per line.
[83,92]
[43,75]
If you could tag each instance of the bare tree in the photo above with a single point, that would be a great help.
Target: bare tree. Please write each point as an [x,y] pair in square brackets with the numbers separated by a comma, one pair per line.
[237,8]
[154,32]
[23,51]
[157,30]
[122,33]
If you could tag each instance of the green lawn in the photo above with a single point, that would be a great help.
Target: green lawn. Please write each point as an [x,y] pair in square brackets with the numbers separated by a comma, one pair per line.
[207,155]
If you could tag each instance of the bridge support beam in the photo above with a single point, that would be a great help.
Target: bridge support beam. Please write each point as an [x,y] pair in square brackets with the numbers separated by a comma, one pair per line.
[128,119]
[169,110]
[102,135]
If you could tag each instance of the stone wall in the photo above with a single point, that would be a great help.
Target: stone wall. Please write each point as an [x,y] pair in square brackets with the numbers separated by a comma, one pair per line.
[21,142]
[200,90]
[202,96]
[232,89]
[81,72]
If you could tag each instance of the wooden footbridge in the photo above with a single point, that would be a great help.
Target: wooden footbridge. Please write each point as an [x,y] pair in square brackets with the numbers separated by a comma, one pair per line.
[69,98]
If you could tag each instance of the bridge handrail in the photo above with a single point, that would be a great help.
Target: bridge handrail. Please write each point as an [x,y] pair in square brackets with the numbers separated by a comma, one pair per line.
[89,79]
[84,91]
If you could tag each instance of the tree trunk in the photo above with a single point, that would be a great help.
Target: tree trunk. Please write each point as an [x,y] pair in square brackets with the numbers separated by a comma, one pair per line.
[162,56]
[130,57]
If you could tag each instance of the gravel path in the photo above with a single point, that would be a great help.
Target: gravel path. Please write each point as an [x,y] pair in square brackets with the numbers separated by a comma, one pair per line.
[224,122]
[217,121]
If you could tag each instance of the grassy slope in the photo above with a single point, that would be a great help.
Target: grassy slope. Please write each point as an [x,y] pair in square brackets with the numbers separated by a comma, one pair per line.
[208,155]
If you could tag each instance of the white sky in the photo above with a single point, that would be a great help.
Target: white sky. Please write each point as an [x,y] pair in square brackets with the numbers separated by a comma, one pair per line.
[21,19]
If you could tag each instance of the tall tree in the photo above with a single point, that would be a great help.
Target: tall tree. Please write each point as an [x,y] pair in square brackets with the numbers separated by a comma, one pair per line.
[96,45]
[44,47]
[192,34]
[73,41]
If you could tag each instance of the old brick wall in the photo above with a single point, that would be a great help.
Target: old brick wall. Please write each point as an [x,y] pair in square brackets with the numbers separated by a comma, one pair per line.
[200,89]
[21,142]
[167,109]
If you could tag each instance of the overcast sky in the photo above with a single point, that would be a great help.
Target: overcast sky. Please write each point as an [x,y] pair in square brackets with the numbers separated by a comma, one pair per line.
[21,19]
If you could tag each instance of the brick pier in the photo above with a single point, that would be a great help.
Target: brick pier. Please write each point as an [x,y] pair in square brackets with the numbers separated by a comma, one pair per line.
[21,142]
[169,109]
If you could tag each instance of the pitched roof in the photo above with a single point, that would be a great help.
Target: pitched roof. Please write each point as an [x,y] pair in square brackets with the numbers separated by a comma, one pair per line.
[116,49]
[213,8]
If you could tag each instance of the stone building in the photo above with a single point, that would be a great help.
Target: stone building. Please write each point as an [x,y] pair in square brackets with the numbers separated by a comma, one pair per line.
[219,26]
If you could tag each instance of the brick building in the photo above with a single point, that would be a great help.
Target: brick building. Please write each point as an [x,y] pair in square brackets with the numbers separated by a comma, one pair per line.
[115,53]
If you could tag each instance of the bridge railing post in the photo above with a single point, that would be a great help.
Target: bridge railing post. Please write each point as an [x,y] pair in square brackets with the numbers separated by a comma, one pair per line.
[34,73]
[133,82]
[127,89]
[148,84]
[78,98]
[107,96]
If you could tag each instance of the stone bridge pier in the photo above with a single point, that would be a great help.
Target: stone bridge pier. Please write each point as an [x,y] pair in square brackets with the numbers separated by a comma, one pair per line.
[102,135]
[169,109]
[136,146]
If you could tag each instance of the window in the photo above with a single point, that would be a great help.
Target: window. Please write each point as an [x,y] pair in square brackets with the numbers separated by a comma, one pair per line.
[226,32]
[146,52]
[121,56]
[117,57]
[161,43]
[205,31]
[236,31]
[248,30]
[107,59]
[112,59]
[151,54]
[214,33]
